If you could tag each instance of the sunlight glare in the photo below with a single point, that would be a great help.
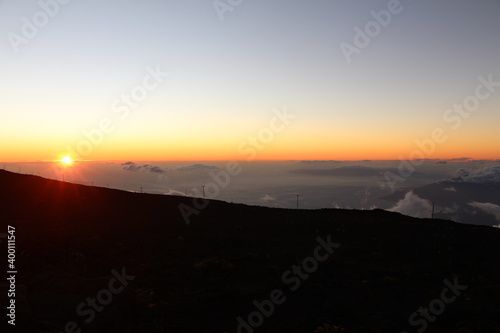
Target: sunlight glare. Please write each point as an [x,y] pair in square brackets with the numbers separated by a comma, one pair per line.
[67,160]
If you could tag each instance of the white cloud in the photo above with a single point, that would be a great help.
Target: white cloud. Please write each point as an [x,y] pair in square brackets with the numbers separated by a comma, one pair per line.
[413,205]
[488,208]
[450,210]
[451,188]
[267,197]
[490,174]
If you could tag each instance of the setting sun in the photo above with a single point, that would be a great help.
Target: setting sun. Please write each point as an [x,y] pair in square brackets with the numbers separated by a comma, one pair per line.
[67,160]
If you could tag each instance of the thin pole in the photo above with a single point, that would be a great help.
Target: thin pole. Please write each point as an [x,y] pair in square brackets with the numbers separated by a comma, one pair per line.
[203,191]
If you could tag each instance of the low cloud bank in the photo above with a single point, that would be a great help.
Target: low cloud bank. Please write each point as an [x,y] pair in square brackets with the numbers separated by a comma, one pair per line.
[345,171]
[490,174]
[488,208]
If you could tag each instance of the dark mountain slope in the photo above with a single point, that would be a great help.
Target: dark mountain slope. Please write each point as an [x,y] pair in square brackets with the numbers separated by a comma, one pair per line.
[201,277]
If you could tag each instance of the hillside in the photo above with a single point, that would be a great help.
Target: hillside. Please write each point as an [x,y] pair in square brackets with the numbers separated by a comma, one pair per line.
[103,260]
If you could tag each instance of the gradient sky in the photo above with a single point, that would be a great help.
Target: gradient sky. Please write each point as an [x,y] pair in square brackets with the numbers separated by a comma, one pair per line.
[227,76]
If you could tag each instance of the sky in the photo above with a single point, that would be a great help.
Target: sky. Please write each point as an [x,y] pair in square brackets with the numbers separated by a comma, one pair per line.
[205,80]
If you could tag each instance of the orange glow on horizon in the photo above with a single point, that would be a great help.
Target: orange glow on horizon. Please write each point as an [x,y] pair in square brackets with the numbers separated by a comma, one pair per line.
[282,149]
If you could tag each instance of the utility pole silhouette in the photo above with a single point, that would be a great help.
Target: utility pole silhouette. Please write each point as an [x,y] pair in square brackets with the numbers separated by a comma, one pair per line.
[203,187]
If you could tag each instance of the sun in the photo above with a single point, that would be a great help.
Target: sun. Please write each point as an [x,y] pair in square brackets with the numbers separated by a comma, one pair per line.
[67,160]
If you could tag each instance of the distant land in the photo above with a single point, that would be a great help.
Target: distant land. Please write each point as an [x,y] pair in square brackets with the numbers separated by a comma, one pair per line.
[93,259]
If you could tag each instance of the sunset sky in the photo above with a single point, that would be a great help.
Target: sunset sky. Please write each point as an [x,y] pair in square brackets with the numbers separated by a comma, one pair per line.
[229,79]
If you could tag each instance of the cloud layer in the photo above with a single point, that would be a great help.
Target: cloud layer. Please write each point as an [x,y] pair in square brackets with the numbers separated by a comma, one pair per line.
[489,174]
[345,171]
[488,208]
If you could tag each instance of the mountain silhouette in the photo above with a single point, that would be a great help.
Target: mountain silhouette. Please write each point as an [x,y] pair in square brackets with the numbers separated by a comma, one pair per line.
[237,268]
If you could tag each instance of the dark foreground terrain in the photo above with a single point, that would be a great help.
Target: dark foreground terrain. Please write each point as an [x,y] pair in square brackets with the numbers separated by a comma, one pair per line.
[90,259]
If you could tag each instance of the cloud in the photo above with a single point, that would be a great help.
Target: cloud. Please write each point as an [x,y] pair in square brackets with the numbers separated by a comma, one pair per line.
[461,173]
[490,174]
[488,208]
[267,197]
[134,167]
[450,210]
[413,205]
[345,171]
[131,166]
[156,169]
[451,189]
[336,205]
[196,167]
[364,196]
[162,178]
